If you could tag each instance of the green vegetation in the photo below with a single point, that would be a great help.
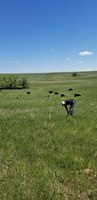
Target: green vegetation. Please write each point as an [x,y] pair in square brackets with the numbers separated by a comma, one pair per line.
[13,82]
[75,74]
[45,154]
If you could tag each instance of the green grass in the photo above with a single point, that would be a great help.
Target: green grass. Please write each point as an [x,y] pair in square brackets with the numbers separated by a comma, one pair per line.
[44,154]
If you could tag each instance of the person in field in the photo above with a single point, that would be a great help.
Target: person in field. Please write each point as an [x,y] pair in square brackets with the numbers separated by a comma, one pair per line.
[69,104]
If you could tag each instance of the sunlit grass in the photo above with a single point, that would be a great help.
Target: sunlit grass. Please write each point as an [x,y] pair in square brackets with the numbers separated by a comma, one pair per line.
[45,154]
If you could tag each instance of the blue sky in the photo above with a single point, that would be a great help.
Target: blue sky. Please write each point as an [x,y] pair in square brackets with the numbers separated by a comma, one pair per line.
[39,36]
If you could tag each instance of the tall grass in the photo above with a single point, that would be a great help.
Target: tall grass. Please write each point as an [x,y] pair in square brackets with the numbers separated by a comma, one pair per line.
[45,154]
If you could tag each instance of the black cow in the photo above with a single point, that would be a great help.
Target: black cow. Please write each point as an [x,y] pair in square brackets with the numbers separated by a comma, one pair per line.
[62,95]
[70,89]
[50,92]
[28,92]
[56,93]
[77,95]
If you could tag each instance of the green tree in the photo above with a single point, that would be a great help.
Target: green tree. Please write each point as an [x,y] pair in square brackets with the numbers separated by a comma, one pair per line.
[24,83]
[74,74]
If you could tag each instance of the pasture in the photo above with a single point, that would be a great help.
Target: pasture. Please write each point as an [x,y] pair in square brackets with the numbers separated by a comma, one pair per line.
[45,154]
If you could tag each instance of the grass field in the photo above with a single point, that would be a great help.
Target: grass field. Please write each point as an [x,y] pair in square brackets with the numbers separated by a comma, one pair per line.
[45,154]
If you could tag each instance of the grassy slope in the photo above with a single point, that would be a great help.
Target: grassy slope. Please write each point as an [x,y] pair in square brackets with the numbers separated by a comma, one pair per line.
[43,153]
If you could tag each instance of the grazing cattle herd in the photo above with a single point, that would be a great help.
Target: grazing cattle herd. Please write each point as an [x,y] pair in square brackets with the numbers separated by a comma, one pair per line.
[63,95]
[57,93]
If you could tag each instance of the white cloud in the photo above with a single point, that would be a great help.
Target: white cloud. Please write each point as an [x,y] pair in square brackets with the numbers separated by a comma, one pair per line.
[85,53]
[67,58]
[13,61]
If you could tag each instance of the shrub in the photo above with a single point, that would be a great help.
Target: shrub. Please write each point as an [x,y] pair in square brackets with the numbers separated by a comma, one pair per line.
[74,74]
[13,82]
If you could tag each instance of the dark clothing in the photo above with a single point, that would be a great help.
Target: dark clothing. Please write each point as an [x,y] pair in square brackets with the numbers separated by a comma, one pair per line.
[71,104]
